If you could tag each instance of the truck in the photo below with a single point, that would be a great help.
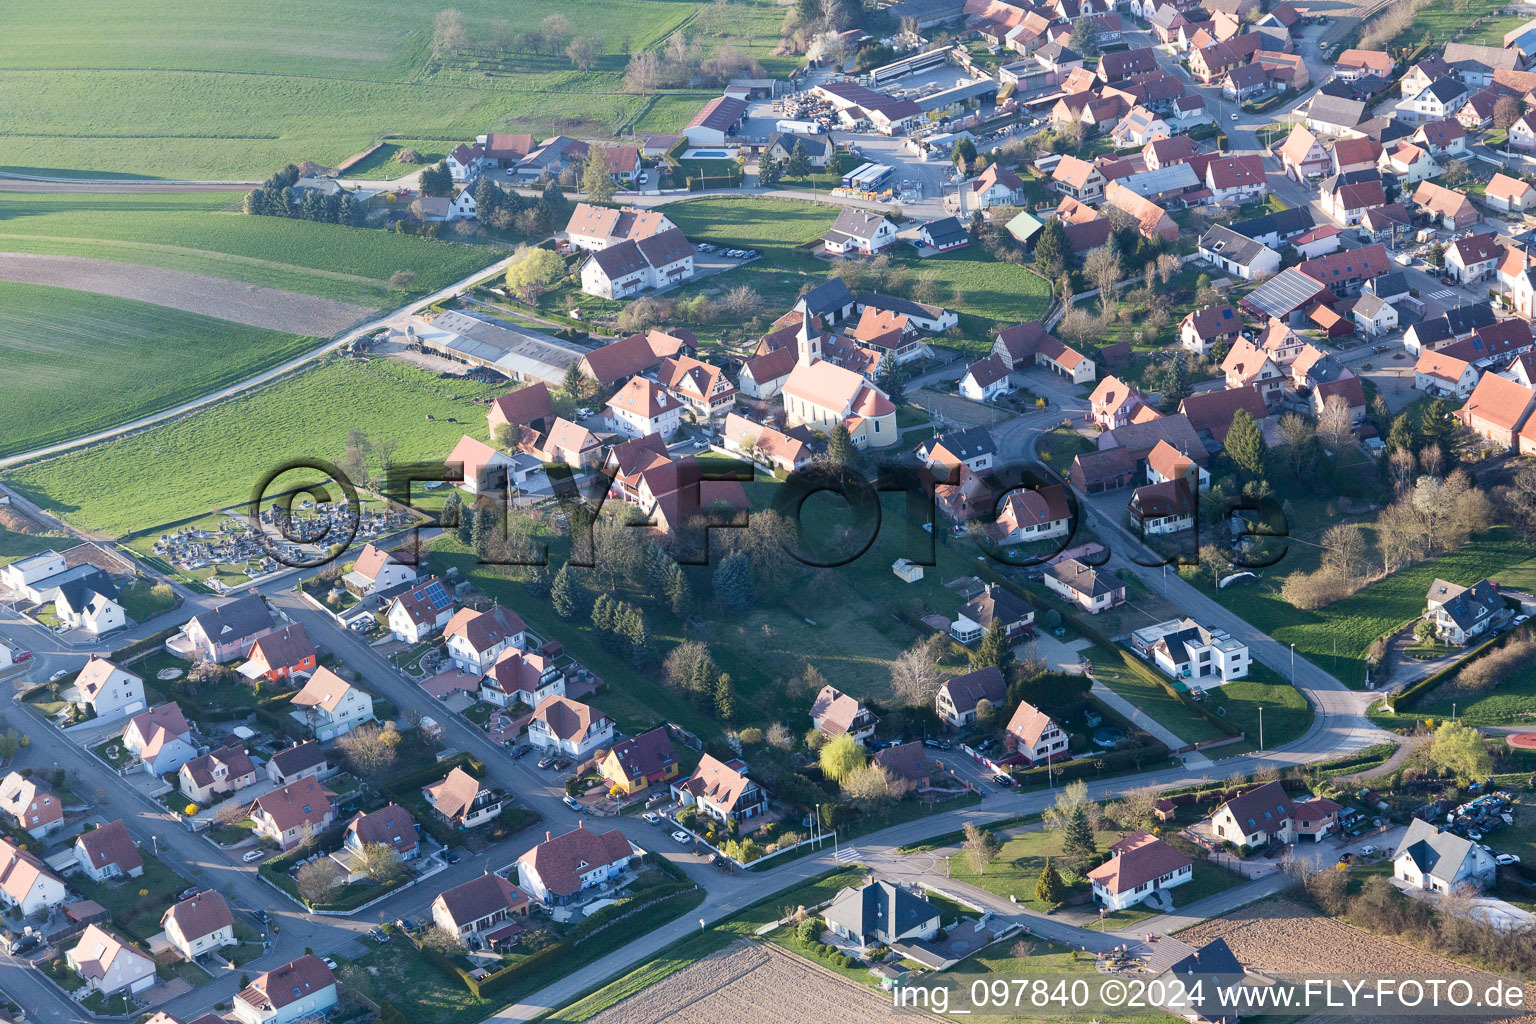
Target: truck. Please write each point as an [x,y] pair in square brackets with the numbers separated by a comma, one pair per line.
[853,175]
[798,127]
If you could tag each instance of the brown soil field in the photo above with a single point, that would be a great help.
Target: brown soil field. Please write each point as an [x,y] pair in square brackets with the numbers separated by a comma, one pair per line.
[1284,937]
[242,303]
[754,983]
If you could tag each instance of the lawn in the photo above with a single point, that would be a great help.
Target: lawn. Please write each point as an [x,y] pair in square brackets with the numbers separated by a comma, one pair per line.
[1136,684]
[15,545]
[142,600]
[198,232]
[1442,21]
[1048,961]
[77,362]
[1336,637]
[184,90]
[1287,712]
[138,916]
[214,459]
[1060,445]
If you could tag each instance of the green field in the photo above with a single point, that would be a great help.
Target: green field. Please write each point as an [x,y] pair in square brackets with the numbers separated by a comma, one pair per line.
[197,232]
[77,362]
[186,90]
[214,458]
[666,113]
[1442,21]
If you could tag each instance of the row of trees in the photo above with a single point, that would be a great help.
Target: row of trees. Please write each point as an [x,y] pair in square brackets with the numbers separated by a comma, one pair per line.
[277,198]
[554,37]
[683,62]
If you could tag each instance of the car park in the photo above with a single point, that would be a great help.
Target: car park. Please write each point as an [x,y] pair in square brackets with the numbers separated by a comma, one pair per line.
[682,838]
[253,855]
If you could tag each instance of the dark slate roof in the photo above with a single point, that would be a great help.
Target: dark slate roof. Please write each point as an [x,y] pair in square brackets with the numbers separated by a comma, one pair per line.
[1282,222]
[1240,249]
[77,592]
[832,295]
[619,260]
[665,247]
[233,619]
[1336,110]
[946,230]
[879,906]
[970,443]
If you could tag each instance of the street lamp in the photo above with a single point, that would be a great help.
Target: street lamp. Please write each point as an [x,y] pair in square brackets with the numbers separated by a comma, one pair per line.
[1261,728]
[1101,920]
[1293,664]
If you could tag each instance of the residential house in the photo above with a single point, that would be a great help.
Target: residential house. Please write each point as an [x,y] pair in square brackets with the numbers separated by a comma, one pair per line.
[1522,134]
[1448,208]
[1352,65]
[161,738]
[1473,257]
[763,376]
[1138,865]
[29,806]
[108,851]
[378,569]
[1084,585]
[560,869]
[944,234]
[564,726]
[1185,650]
[1078,178]
[958,696]
[527,406]
[420,612]
[907,764]
[985,380]
[1028,344]
[296,991]
[1247,365]
[1237,254]
[1335,116]
[1374,315]
[971,447]
[1346,272]
[1256,817]
[1456,324]
[1350,155]
[475,639]
[1511,195]
[1033,736]
[199,924]
[1461,613]
[1211,412]
[1476,64]
[1152,221]
[1113,403]
[226,631]
[1444,140]
[108,964]
[818,149]
[655,262]
[1139,127]
[285,654]
[857,230]
[644,407]
[1125,64]
[881,914]
[390,825]
[292,813]
[461,800]
[1303,156]
[302,760]
[208,776]
[1246,82]
[1429,858]
[1168,507]
[329,706]
[24,572]
[1031,514]
[637,763]
[1203,328]
[567,443]
[722,790]
[486,907]
[1500,411]
[1437,101]
[635,353]
[88,602]
[481,468]
[1166,463]
[1346,197]
[995,186]
[1391,223]
[1160,153]
[26,884]
[994,604]
[767,445]
[110,692]
[835,714]
[702,388]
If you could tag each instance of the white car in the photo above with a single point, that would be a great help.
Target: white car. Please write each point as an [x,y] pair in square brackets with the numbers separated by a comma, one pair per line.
[328,962]
[681,837]
[651,817]
[1507,858]
[1367,851]
[1234,117]
[254,855]
[60,674]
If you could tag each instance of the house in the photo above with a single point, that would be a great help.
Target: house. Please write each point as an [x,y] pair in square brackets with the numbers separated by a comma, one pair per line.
[207,776]
[527,406]
[1511,195]
[971,447]
[985,379]
[285,654]
[482,908]
[1185,650]
[1139,127]
[23,573]
[1209,326]
[820,395]
[1247,365]
[1456,324]
[629,267]
[329,706]
[1078,178]
[1167,507]
[390,825]
[944,234]
[29,806]
[1346,272]
[226,631]
[1315,817]
[907,764]
[1113,403]
[1166,463]
[995,186]
[1448,208]
[461,800]
[1374,315]
[108,851]
[644,407]
[26,884]
[1522,134]
[199,924]
[1160,153]
[567,443]
[475,639]
[835,714]
[763,376]
[1439,373]
[560,869]
[1461,613]
[108,964]
[1346,197]
[722,790]
[702,388]
[1439,100]
[110,692]
[881,914]
[957,698]
[290,814]
[377,569]
[302,760]
[715,120]
[1152,221]
[1211,412]
[1390,223]
[818,149]
[89,602]
[295,991]
[161,739]
[858,230]
[635,353]
[1335,116]
[1350,155]
[564,726]
[1438,861]
[1476,64]
[639,762]
[1237,254]
[1303,156]
[1029,514]
[1138,865]
[1117,67]
[767,445]
[1352,65]
[1445,139]
[1084,585]
[1033,735]
[421,611]
[1246,82]
[1255,818]
[1500,411]
[1028,344]
[483,469]
[994,604]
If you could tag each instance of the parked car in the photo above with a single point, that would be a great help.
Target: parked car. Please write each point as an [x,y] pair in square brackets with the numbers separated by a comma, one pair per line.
[645,177]
[1368,851]
[1002,780]
[26,944]
[651,818]
[188,893]
[546,762]
[60,674]
[936,744]
[253,855]
[328,962]
[682,838]
[1521,620]
[21,656]
[1507,858]
[452,855]
[572,803]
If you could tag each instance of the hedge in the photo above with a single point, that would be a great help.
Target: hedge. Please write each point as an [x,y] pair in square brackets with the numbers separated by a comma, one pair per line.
[1083,767]
[1412,694]
[434,772]
[139,648]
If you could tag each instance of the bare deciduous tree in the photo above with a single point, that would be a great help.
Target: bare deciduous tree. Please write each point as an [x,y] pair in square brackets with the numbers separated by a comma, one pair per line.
[448,33]
[915,675]
[319,881]
[370,750]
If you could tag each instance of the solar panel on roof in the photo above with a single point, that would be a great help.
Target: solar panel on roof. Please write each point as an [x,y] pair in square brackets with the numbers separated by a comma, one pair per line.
[436,594]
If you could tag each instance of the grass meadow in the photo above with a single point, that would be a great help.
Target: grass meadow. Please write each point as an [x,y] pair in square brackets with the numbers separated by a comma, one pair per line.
[76,362]
[214,458]
[187,90]
[199,232]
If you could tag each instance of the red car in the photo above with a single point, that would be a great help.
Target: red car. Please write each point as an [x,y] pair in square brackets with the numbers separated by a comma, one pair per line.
[21,656]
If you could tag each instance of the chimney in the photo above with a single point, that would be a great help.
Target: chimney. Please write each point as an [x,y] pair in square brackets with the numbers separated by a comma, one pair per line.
[581,823]
[548,836]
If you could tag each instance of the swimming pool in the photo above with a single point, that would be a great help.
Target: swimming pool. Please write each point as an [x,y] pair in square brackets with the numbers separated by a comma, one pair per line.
[710,154]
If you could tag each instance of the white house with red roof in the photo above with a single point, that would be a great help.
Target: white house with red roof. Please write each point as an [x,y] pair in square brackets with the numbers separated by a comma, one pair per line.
[564,726]
[561,868]
[722,790]
[378,569]
[329,706]
[484,468]
[521,677]
[475,639]
[161,738]
[420,612]
[287,815]
[108,964]
[29,806]
[644,407]
[303,989]
[111,692]
[835,713]
[108,852]
[1138,866]
[986,379]
[1033,735]
[199,924]
[483,907]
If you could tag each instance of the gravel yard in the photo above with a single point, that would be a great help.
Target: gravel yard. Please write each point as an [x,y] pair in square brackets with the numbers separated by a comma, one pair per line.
[754,983]
[242,303]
